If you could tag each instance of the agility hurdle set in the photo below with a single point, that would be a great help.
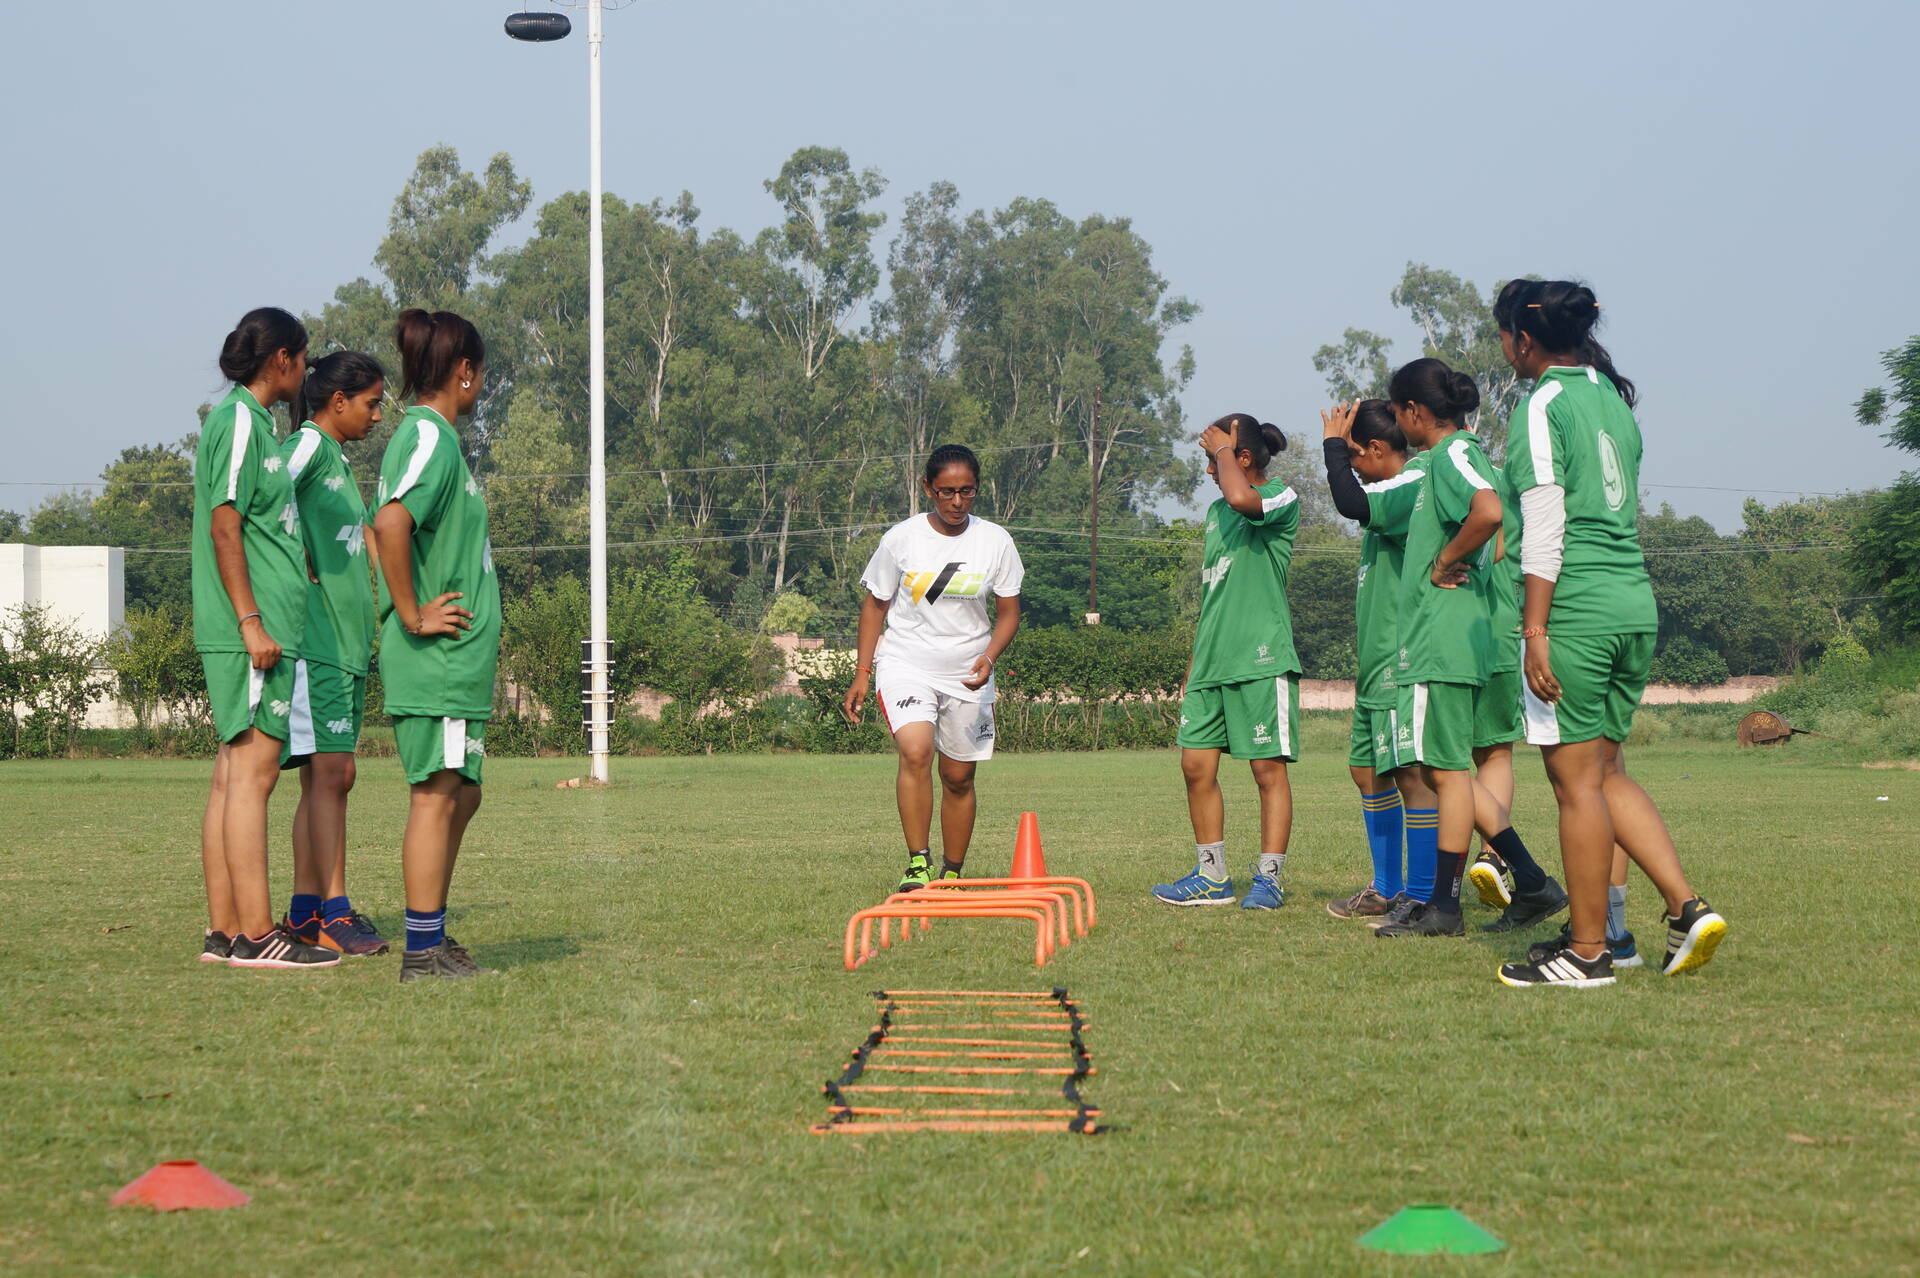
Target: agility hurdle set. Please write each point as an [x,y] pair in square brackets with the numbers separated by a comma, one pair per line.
[1059,907]
[999,1047]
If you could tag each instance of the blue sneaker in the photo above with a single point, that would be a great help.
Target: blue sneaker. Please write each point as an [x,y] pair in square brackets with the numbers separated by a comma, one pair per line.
[1265,894]
[1195,889]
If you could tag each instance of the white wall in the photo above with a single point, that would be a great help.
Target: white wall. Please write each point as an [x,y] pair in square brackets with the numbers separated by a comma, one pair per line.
[85,586]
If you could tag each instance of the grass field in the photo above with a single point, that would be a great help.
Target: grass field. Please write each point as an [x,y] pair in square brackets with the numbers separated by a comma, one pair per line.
[632,1094]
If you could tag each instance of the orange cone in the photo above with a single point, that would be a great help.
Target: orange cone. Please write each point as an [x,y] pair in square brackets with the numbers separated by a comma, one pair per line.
[177,1185]
[1028,861]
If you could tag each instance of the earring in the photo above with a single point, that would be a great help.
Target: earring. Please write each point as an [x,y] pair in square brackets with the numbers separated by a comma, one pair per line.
[465,385]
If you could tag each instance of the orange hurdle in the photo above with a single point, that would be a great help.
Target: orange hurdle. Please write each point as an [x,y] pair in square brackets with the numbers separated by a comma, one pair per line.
[1051,900]
[862,925]
[1076,888]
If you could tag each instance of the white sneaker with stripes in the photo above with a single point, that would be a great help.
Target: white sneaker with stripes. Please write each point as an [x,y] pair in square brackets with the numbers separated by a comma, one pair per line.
[279,949]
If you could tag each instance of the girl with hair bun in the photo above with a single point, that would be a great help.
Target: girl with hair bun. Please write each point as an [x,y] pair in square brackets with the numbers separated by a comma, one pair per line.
[1588,622]
[945,586]
[1243,682]
[1446,656]
[338,403]
[437,657]
[249,621]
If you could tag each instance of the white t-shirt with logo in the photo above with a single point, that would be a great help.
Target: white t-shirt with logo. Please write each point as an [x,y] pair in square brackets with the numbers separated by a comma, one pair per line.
[939,591]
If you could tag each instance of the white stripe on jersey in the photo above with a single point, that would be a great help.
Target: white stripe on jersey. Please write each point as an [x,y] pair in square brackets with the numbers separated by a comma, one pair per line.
[1285,497]
[303,451]
[1400,480]
[1456,452]
[237,449]
[416,464]
[1539,434]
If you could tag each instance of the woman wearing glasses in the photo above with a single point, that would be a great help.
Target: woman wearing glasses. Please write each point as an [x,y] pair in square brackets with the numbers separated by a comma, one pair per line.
[946,588]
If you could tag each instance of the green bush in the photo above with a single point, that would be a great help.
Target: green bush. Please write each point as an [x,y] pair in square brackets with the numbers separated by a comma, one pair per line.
[49,674]
[156,668]
[1869,700]
[1683,659]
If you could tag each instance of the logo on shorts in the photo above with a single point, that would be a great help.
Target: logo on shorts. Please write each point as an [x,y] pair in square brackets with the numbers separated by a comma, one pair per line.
[281,709]
[904,702]
[339,727]
[1380,742]
[983,730]
[1261,735]
[476,746]
[1613,479]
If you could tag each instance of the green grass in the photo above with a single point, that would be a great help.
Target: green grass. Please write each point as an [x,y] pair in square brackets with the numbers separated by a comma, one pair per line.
[633,1094]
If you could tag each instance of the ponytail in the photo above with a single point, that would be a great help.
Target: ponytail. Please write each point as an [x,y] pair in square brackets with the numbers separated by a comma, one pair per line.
[1560,316]
[431,346]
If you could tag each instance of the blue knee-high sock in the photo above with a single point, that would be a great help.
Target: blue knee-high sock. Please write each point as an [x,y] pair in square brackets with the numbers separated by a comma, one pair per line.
[1423,851]
[1382,813]
[426,928]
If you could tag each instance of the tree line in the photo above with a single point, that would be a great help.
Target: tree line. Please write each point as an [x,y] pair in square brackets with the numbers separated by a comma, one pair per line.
[770,397]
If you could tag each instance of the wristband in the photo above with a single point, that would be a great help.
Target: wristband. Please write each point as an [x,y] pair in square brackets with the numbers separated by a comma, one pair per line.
[249,617]
[1534,632]
[863,669]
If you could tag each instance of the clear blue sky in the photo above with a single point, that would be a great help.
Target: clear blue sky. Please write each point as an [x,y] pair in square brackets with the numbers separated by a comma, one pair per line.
[1739,182]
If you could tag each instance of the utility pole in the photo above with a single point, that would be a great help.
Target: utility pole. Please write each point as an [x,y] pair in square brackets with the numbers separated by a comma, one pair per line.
[1093,545]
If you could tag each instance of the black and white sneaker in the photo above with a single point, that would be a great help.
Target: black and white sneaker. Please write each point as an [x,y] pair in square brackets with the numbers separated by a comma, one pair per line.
[1425,919]
[216,948]
[447,960]
[1397,910]
[278,949]
[1693,937]
[1528,908]
[1562,967]
[1625,952]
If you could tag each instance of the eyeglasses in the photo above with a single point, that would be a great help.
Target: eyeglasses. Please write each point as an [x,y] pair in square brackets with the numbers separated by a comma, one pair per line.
[948,494]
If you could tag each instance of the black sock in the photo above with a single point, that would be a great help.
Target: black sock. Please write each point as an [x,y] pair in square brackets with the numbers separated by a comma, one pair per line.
[950,867]
[1446,881]
[1528,877]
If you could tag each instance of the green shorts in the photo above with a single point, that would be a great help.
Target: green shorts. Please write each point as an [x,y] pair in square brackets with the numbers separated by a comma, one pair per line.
[1258,719]
[1601,678]
[328,706]
[243,697]
[1496,711]
[1375,744]
[1436,725]
[428,746]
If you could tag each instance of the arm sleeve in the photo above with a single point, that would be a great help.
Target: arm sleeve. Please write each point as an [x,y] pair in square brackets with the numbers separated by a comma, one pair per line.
[1349,498]
[881,576]
[1010,572]
[426,478]
[1544,510]
[232,469]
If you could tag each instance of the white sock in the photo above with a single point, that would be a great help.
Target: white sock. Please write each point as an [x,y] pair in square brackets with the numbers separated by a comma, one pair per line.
[1212,859]
[1271,863]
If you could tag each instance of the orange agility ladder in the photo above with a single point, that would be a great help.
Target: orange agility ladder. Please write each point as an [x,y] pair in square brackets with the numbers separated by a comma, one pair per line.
[1060,1053]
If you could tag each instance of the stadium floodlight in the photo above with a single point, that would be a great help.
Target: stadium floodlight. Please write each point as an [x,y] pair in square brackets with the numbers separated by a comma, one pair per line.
[596,662]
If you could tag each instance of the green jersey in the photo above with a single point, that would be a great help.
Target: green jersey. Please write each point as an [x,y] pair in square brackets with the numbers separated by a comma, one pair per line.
[238,464]
[1503,579]
[1376,599]
[1245,630]
[1446,636]
[1576,433]
[444,676]
[333,524]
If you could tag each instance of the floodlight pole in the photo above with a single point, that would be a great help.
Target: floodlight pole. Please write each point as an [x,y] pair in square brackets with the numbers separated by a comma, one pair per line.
[599,657]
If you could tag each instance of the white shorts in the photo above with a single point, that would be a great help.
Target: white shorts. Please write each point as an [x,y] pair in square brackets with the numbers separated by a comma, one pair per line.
[962,730]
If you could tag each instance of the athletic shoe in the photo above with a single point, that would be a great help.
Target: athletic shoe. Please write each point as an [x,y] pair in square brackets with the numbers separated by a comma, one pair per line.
[919,873]
[307,933]
[1693,937]
[949,876]
[1265,893]
[1562,967]
[1195,888]
[1397,911]
[352,934]
[278,949]
[1424,919]
[1625,952]
[216,948]
[446,960]
[1528,908]
[1364,904]
[1494,880]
